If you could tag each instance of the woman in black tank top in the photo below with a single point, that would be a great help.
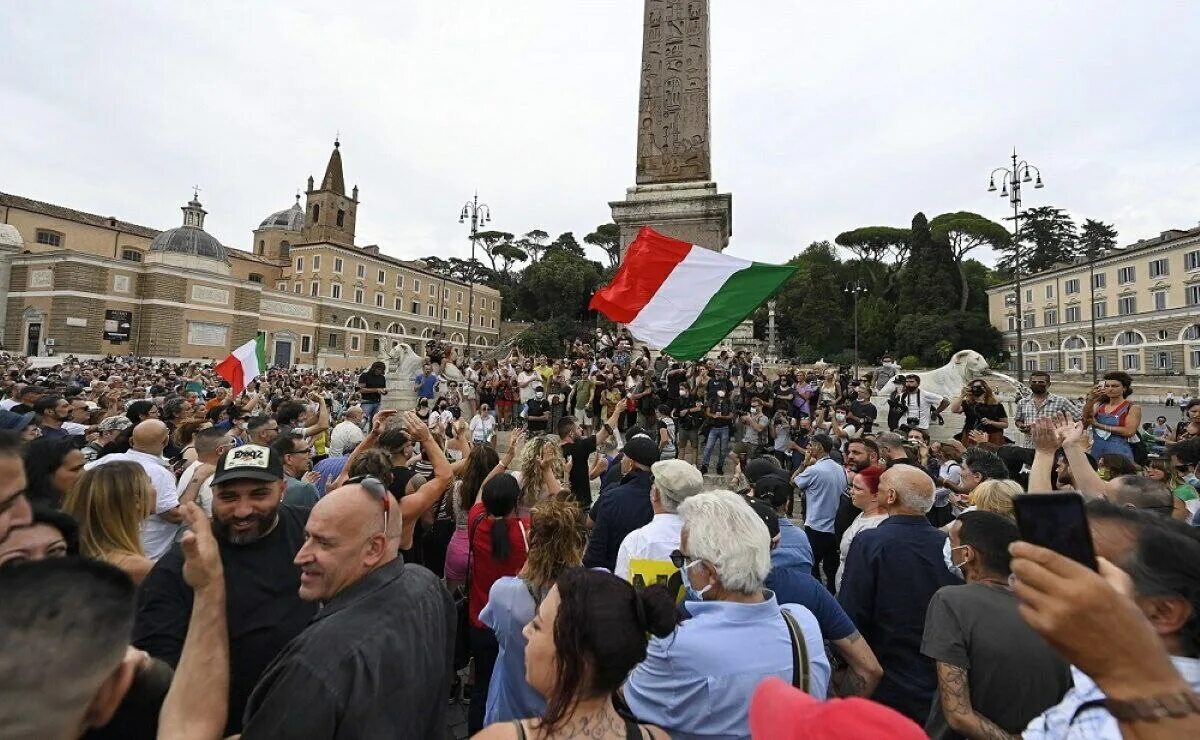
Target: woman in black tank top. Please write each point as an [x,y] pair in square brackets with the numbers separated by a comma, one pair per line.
[588,633]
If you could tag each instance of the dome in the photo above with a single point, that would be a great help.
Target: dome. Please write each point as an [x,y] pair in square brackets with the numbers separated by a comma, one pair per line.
[290,219]
[10,237]
[190,240]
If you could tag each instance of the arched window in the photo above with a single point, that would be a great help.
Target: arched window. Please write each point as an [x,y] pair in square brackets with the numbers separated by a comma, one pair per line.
[1032,346]
[262,244]
[356,322]
[1192,333]
[285,250]
[1074,343]
[255,277]
[316,213]
[341,217]
[1129,337]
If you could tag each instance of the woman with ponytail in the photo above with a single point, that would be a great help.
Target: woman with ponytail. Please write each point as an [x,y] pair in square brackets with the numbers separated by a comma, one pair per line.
[497,543]
[588,634]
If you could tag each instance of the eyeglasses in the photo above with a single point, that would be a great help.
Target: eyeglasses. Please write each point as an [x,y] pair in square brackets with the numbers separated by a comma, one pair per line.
[679,560]
[375,487]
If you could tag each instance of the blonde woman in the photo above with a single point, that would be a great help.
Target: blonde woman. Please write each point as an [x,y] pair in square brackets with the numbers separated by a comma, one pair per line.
[542,450]
[996,496]
[109,502]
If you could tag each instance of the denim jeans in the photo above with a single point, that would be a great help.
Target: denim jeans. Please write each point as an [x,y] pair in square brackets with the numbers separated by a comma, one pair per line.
[717,437]
[369,411]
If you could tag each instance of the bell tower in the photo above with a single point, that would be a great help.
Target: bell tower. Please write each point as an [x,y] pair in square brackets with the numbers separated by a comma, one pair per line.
[329,213]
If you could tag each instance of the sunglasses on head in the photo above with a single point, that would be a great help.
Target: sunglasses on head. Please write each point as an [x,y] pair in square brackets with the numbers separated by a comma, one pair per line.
[375,487]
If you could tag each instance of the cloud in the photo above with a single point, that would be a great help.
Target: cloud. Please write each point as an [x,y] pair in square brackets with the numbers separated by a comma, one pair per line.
[825,117]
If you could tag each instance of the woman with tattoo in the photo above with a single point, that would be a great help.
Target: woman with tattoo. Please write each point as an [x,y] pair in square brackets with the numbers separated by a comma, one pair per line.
[588,633]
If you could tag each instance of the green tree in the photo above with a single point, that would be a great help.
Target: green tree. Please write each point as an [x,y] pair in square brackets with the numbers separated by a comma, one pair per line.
[881,251]
[489,240]
[533,243]
[1096,238]
[608,238]
[560,284]
[929,281]
[965,232]
[1046,236]
[566,241]
[508,254]
[437,265]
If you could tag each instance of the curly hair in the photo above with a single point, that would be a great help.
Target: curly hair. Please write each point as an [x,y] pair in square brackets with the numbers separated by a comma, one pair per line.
[374,462]
[479,463]
[556,541]
[531,466]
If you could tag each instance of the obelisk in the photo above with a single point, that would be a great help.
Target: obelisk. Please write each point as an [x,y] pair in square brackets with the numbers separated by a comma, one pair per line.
[674,192]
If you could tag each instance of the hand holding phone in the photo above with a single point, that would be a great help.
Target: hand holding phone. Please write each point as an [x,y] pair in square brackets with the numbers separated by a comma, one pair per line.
[1056,521]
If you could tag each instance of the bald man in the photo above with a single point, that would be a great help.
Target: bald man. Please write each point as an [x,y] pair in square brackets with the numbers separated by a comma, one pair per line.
[891,574]
[377,660]
[146,445]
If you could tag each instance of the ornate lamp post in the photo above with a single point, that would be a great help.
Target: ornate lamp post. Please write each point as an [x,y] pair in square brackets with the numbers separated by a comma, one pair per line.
[854,289]
[1010,187]
[477,213]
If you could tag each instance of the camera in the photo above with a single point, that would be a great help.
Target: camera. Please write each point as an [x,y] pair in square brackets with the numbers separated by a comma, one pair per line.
[913,421]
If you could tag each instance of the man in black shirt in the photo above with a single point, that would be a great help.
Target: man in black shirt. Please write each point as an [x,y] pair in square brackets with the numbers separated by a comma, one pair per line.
[861,411]
[537,412]
[372,385]
[579,449]
[258,538]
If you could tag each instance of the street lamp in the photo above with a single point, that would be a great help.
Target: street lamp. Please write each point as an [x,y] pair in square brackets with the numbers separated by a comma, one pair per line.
[1010,187]
[854,289]
[477,213]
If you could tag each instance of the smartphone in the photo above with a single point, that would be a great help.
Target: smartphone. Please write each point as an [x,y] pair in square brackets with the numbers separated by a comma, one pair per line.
[1057,521]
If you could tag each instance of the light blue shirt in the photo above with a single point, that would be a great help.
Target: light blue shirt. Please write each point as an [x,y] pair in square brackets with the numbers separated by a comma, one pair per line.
[510,607]
[1081,715]
[697,682]
[791,539]
[822,483]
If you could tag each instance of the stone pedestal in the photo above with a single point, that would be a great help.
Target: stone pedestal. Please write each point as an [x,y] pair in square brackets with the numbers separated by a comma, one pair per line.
[690,211]
[400,398]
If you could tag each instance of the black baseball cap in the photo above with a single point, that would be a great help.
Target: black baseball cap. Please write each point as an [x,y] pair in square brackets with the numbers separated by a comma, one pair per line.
[249,461]
[769,517]
[642,450]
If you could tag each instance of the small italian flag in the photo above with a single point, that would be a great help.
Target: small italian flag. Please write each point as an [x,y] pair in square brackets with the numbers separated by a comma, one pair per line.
[682,298]
[244,364]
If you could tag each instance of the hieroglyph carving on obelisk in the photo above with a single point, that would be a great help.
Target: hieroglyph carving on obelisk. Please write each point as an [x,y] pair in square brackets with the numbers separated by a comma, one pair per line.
[673,125]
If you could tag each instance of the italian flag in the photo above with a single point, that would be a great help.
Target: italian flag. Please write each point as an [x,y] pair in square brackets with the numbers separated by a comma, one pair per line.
[682,298]
[244,364]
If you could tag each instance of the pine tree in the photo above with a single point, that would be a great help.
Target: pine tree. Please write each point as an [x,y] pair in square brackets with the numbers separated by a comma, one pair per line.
[1096,238]
[929,283]
[1046,236]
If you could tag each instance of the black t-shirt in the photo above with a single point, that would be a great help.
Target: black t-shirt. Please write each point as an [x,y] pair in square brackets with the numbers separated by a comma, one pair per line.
[688,420]
[1013,674]
[578,453]
[262,603]
[976,411]
[866,411]
[371,380]
[537,407]
[720,406]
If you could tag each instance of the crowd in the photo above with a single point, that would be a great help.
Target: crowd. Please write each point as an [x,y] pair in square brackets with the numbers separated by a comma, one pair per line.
[541,539]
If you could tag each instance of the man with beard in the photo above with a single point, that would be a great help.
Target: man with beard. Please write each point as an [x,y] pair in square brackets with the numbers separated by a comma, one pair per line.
[258,538]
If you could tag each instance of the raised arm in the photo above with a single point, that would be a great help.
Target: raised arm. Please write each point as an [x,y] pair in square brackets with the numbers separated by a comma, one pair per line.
[1045,444]
[413,505]
[322,415]
[370,440]
[605,431]
[1087,480]
[515,441]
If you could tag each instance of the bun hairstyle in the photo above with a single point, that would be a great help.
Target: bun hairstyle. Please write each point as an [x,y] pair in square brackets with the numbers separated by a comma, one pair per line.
[600,635]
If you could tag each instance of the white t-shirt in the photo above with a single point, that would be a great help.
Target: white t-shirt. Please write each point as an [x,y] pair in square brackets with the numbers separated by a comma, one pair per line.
[482,428]
[919,404]
[860,523]
[654,541]
[344,438]
[204,495]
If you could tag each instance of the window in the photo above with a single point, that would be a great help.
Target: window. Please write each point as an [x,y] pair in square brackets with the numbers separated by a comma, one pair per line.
[445,313]
[358,295]
[333,340]
[49,238]
[1162,360]
[1049,291]
[1100,309]
[280,285]
[1159,268]
[337,265]
[1129,337]
[1101,362]
[375,345]
[1031,364]
[299,264]
[362,270]
[262,245]
[316,213]
[1075,363]
[399,304]
[431,309]
[1098,280]
[416,285]
[1072,286]
[1072,314]
[416,307]
[341,217]
[1029,323]
[379,300]
[354,342]
[400,280]
[314,290]
[1012,323]
[459,297]
[335,291]
[1192,294]
[458,316]
[445,292]
[298,288]
[306,343]
[316,262]
[1051,317]
[1131,361]
[493,323]
[1191,260]
[483,322]
[1074,343]
[1192,333]
[381,277]
[432,290]
[1050,363]
[1127,305]
[133,255]
[1195,354]
[1160,300]
[1162,335]
[1029,295]
[256,278]
[285,250]
[1126,275]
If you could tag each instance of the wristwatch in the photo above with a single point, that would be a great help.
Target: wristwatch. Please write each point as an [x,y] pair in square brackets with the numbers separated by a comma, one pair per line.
[1154,708]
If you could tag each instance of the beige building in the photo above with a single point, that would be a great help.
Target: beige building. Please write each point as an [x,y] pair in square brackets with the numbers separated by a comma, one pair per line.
[1147,310]
[88,285]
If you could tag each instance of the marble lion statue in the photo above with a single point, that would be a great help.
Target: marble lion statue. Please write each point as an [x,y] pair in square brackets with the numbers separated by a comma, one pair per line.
[948,380]
[403,363]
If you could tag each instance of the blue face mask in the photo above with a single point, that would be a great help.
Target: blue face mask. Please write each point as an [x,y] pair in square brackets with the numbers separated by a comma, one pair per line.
[692,593]
[1193,480]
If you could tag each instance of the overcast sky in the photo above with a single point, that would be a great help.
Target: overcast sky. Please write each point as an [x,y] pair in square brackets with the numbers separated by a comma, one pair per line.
[826,116]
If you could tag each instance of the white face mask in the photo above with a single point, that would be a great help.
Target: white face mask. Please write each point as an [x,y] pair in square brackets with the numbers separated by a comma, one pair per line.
[720,394]
[539,395]
[840,417]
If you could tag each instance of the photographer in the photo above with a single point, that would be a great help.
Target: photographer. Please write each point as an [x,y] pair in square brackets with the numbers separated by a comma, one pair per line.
[752,425]
[982,411]
[688,413]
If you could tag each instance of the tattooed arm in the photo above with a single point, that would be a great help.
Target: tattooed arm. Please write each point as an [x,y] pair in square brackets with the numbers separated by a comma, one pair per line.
[862,671]
[956,706]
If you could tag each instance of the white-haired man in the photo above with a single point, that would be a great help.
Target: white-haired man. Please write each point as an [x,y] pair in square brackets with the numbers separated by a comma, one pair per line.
[698,681]
[347,434]
[891,573]
[674,482]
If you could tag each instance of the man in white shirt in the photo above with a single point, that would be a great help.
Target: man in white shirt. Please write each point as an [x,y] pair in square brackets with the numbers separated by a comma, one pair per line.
[915,404]
[674,482]
[210,444]
[347,434]
[146,446]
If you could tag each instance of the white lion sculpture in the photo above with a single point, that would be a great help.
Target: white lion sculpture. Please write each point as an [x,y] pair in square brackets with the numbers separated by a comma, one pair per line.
[948,380]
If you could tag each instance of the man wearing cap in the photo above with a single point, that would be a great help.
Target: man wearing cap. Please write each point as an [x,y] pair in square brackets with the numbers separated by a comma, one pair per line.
[821,482]
[624,507]
[258,538]
[674,482]
[107,431]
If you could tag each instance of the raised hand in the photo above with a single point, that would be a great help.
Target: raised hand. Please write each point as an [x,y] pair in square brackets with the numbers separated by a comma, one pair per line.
[379,423]
[202,560]
[1046,437]
[416,428]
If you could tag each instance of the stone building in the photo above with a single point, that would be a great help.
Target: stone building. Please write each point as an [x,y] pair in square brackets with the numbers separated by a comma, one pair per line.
[1146,299]
[88,285]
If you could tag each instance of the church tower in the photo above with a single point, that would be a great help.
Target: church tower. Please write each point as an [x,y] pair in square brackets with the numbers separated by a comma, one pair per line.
[329,213]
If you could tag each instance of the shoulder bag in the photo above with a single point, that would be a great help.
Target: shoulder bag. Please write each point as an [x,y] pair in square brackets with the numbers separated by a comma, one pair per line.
[800,669]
